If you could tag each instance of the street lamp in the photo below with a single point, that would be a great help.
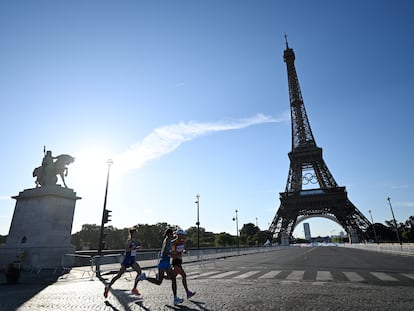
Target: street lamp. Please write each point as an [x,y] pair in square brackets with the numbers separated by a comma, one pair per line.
[395,223]
[237,230]
[105,212]
[373,227]
[198,221]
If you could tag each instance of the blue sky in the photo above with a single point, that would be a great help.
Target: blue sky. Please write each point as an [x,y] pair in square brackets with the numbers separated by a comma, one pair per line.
[191,97]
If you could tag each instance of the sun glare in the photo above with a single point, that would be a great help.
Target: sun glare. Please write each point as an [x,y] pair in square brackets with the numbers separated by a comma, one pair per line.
[90,168]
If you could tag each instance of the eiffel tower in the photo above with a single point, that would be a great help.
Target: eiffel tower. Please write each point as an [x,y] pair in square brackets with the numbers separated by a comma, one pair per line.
[311,190]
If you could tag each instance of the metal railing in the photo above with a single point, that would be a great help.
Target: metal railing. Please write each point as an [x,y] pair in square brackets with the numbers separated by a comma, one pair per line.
[80,264]
[395,248]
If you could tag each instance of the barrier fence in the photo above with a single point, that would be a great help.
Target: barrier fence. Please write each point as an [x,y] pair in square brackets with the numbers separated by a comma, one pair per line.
[403,249]
[79,264]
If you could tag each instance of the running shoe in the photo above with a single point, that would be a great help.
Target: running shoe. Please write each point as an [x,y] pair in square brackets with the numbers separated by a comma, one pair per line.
[142,277]
[178,300]
[106,291]
[135,292]
[190,294]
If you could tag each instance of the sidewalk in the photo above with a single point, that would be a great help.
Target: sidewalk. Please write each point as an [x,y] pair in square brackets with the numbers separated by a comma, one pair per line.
[39,291]
[80,290]
[29,285]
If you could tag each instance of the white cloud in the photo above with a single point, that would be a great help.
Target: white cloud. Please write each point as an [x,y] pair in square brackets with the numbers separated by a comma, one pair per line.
[406,204]
[166,139]
[401,187]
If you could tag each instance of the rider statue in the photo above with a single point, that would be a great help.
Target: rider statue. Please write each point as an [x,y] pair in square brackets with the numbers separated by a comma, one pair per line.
[47,173]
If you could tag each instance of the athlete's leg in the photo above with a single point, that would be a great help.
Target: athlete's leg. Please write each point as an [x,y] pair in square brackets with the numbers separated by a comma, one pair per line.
[179,270]
[158,280]
[137,268]
[116,277]
[171,275]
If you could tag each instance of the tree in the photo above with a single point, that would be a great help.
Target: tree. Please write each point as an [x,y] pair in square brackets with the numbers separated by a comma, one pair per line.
[261,237]
[207,239]
[115,238]
[248,233]
[223,239]
[87,238]
[151,236]
[384,233]
[191,239]
[408,235]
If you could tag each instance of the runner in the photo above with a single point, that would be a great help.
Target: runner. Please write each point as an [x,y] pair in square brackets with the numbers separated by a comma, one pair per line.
[164,266]
[129,261]
[178,248]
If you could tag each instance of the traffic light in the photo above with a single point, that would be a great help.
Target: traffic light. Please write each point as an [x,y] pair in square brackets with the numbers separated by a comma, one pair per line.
[106,216]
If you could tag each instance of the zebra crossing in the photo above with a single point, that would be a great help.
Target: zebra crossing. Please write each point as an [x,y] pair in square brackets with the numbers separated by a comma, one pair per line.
[302,275]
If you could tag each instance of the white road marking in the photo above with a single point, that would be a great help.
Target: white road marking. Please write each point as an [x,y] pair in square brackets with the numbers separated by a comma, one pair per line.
[324,276]
[270,275]
[208,273]
[246,275]
[295,275]
[383,276]
[224,274]
[408,275]
[354,277]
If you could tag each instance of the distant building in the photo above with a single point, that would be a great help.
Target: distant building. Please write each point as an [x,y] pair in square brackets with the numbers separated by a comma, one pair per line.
[308,235]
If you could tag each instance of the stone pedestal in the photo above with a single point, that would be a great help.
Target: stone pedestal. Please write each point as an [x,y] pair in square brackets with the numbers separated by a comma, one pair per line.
[40,231]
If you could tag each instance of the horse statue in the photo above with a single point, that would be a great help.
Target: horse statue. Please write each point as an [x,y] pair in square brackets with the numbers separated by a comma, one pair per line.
[47,173]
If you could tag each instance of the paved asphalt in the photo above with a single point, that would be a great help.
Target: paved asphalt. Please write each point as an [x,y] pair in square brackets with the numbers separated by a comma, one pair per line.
[239,291]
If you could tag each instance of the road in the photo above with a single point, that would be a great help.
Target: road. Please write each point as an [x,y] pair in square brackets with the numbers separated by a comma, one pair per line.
[308,278]
[314,264]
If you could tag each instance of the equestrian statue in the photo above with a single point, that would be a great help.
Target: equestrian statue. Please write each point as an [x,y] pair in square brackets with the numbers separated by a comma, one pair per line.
[51,167]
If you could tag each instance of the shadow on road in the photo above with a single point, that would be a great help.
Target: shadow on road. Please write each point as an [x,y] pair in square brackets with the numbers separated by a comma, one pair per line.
[12,296]
[200,306]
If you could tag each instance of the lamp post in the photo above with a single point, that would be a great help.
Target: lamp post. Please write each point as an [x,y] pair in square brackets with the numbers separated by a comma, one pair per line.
[198,222]
[105,213]
[237,231]
[395,223]
[373,227]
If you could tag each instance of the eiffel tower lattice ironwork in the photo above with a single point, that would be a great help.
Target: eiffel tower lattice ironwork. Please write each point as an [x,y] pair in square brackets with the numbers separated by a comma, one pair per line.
[311,190]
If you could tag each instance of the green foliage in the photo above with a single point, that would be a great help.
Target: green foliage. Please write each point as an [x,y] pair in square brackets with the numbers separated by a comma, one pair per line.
[224,239]
[193,235]
[261,237]
[252,236]
[115,238]
[151,236]
[87,238]
[405,230]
